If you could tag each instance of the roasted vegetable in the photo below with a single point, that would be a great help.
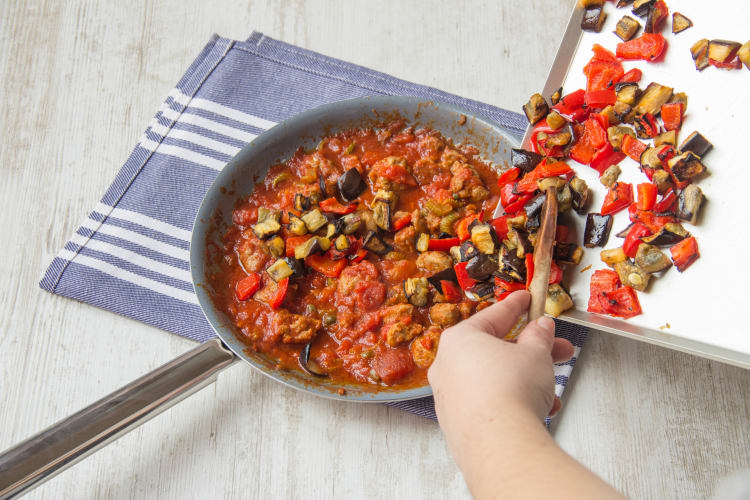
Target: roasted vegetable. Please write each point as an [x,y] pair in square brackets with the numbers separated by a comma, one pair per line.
[558,139]
[680,23]
[423,242]
[416,291]
[512,266]
[593,18]
[662,179]
[342,243]
[283,268]
[381,211]
[482,290]
[623,3]
[351,184]
[668,137]
[651,259]
[555,121]
[671,233]
[722,51]
[564,199]
[446,223]
[526,161]
[296,225]
[276,246]
[697,144]
[656,17]
[623,113]
[632,275]
[650,159]
[322,186]
[480,267]
[567,253]
[558,301]
[536,108]
[268,223]
[645,126]
[533,209]
[448,274]
[467,251]
[301,202]
[699,51]
[626,28]
[624,232]
[555,97]
[332,230]
[613,256]
[597,230]
[627,92]
[309,247]
[579,194]
[314,220]
[610,176]
[349,224]
[375,244]
[309,366]
[689,203]
[684,253]
[744,54]
[483,237]
[686,167]
[652,99]
[641,8]
[615,135]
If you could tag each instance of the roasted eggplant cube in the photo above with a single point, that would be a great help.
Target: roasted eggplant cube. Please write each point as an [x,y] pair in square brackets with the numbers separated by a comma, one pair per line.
[268,223]
[567,253]
[279,270]
[651,259]
[656,17]
[650,159]
[645,126]
[613,256]
[623,113]
[617,133]
[526,161]
[641,8]
[623,3]
[483,237]
[680,23]
[627,92]
[536,108]
[744,54]
[686,167]
[533,208]
[593,18]
[484,290]
[314,220]
[555,121]
[632,275]
[652,99]
[511,265]
[699,51]
[556,96]
[596,233]
[381,210]
[481,267]
[610,176]
[374,243]
[668,235]
[662,179]
[276,246]
[349,224]
[564,199]
[351,184]
[558,301]
[722,50]
[697,144]
[416,291]
[444,275]
[689,203]
[301,202]
[309,247]
[626,28]
[467,251]
[342,243]
[669,137]
[296,225]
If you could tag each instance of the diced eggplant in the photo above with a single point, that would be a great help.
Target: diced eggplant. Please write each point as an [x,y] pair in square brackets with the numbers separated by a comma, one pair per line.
[699,51]
[669,137]
[596,233]
[309,247]
[555,121]
[512,265]
[296,225]
[483,237]
[593,18]
[375,244]
[656,17]
[314,220]
[548,182]
[423,242]
[484,290]
[268,223]
[351,184]
[653,98]
[322,186]
[744,54]
[416,291]
[533,208]
[567,253]
[564,199]
[280,269]
[623,113]
[722,50]
[697,144]
[349,224]
[609,113]
[650,159]
[662,179]
[632,275]
[641,8]
[623,3]
[308,365]
[671,233]
[517,222]
[467,251]
[455,252]
[617,133]
[526,161]
[579,194]
[558,301]
[556,96]
[276,246]
[342,243]
[480,267]
[381,211]
[521,241]
[448,274]
[680,23]
[536,108]
[559,139]
[332,229]
[680,97]
[689,203]
[613,256]
[686,167]
[651,259]
[627,92]
[626,28]
[301,202]
[610,176]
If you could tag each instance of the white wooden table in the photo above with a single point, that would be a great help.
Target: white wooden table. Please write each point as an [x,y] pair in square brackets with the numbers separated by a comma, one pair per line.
[79,82]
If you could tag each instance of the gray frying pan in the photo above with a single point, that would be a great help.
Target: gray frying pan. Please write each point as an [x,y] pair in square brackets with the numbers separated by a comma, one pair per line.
[40,457]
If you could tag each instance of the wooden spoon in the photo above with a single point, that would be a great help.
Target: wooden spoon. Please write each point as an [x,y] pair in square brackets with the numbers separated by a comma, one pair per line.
[543,255]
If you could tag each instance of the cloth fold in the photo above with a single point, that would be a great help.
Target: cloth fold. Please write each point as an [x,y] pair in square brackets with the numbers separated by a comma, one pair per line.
[130,255]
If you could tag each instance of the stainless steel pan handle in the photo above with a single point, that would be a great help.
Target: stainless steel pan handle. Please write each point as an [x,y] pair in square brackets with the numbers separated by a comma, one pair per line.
[40,457]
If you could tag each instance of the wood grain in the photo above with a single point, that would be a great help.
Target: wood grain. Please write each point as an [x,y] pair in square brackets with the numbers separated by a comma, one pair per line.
[80,81]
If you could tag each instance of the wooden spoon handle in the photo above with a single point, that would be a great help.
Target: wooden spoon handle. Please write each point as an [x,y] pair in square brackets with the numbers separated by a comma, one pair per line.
[543,255]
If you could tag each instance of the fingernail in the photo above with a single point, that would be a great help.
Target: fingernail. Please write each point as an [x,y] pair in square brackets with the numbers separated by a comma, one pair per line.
[546,324]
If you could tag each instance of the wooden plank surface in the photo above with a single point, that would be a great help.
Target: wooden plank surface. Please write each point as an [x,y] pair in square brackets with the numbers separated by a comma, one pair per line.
[81,79]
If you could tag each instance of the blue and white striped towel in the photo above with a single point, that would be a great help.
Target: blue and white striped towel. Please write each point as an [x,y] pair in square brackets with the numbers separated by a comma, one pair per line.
[130,255]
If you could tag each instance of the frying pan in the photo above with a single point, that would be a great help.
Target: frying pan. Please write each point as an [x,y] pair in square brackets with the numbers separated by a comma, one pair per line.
[40,457]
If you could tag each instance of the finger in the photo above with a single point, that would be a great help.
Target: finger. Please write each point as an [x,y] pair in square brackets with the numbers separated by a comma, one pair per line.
[562,350]
[556,407]
[499,318]
[539,334]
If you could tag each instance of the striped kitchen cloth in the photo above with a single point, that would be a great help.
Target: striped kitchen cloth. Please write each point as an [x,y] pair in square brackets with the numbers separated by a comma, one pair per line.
[130,255]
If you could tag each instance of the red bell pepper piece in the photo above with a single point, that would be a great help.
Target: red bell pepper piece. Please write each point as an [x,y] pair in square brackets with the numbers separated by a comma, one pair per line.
[618,197]
[602,281]
[529,269]
[402,222]
[500,225]
[555,273]
[464,281]
[671,115]
[508,194]
[247,286]
[574,99]
[509,286]
[658,14]
[596,132]
[561,233]
[648,47]
[601,75]
[652,221]
[293,242]
[508,176]
[633,147]
[646,196]
[325,265]
[583,151]
[731,64]
[633,76]
[608,296]
[529,182]
[598,99]
[462,228]
[685,253]
[605,158]
[281,291]
[602,54]
[666,204]
[518,204]
[622,303]
[442,244]
[450,290]
[571,106]
[359,255]
[646,125]
[333,206]
[633,239]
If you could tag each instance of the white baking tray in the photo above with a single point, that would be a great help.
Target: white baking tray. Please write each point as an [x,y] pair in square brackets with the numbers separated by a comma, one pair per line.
[704,306]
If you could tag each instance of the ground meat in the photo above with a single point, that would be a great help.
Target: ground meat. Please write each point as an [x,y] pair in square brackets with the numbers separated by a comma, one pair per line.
[404,238]
[396,333]
[445,315]
[253,254]
[483,305]
[396,295]
[466,308]
[425,171]
[294,328]
[424,348]
[397,313]
[429,146]
[391,174]
[417,220]
[434,261]
[351,275]
[451,156]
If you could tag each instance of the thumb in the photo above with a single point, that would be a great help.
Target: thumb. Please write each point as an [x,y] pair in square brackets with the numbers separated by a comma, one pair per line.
[539,334]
